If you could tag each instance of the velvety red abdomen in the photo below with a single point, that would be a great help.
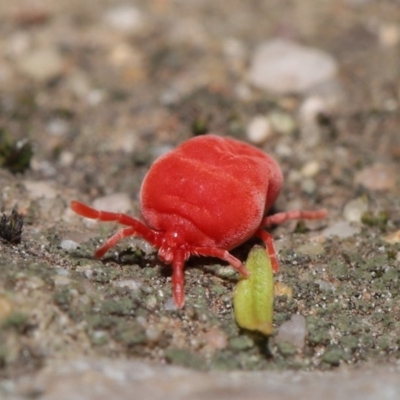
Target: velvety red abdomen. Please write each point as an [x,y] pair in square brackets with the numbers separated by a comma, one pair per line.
[214,190]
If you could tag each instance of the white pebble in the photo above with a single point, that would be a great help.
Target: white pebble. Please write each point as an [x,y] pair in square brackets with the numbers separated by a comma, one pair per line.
[342,230]
[283,150]
[354,209]
[325,285]
[116,202]
[142,245]
[152,334]
[69,245]
[310,169]
[96,96]
[259,129]
[283,66]
[40,189]
[88,273]
[125,18]
[170,305]
[293,331]
[57,127]
[129,283]
[378,177]
[308,185]
[61,280]
[41,64]
[66,158]
[389,34]
[311,108]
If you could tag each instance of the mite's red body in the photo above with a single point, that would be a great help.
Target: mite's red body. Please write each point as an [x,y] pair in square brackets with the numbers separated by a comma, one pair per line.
[205,198]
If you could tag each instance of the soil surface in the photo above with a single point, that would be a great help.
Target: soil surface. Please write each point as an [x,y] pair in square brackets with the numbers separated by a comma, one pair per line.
[93,92]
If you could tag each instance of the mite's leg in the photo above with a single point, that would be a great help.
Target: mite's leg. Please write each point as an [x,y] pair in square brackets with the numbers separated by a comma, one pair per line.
[223,255]
[278,219]
[138,228]
[178,290]
[289,215]
[113,240]
[89,212]
[270,246]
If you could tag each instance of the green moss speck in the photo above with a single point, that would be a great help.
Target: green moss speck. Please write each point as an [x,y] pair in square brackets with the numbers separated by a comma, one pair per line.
[62,297]
[286,349]
[121,307]
[130,333]
[333,355]
[184,358]
[338,270]
[241,342]
[17,321]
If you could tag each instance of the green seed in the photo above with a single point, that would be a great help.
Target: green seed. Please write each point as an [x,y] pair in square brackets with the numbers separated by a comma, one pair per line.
[254,296]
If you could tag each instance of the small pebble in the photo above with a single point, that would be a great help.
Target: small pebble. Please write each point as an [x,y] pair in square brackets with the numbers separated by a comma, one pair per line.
[61,280]
[18,43]
[62,272]
[116,202]
[281,289]
[131,284]
[66,158]
[142,245]
[283,66]
[311,108]
[308,185]
[355,209]
[5,308]
[170,305]
[78,83]
[310,169]
[152,334]
[393,237]
[41,64]
[99,337]
[342,230]
[311,249]
[40,189]
[282,122]
[123,141]
[88,273]
[151,301]
[259,129]
[96,96]
[125,18]
[235,52]
[283,150]
[226,272]
[293,331]
[379,177]
[325,285]
[32,282]
[69,245]
[215,339]
[57,127]
[389,34]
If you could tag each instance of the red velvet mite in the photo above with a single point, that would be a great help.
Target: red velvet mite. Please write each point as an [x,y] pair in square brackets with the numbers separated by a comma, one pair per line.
[204,198]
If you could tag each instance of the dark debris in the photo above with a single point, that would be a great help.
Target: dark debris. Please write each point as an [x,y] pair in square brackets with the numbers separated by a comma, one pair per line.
[14,155]
[11,227]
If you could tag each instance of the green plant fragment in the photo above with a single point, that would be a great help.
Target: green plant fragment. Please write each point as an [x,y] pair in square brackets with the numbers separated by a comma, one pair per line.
[254,296]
